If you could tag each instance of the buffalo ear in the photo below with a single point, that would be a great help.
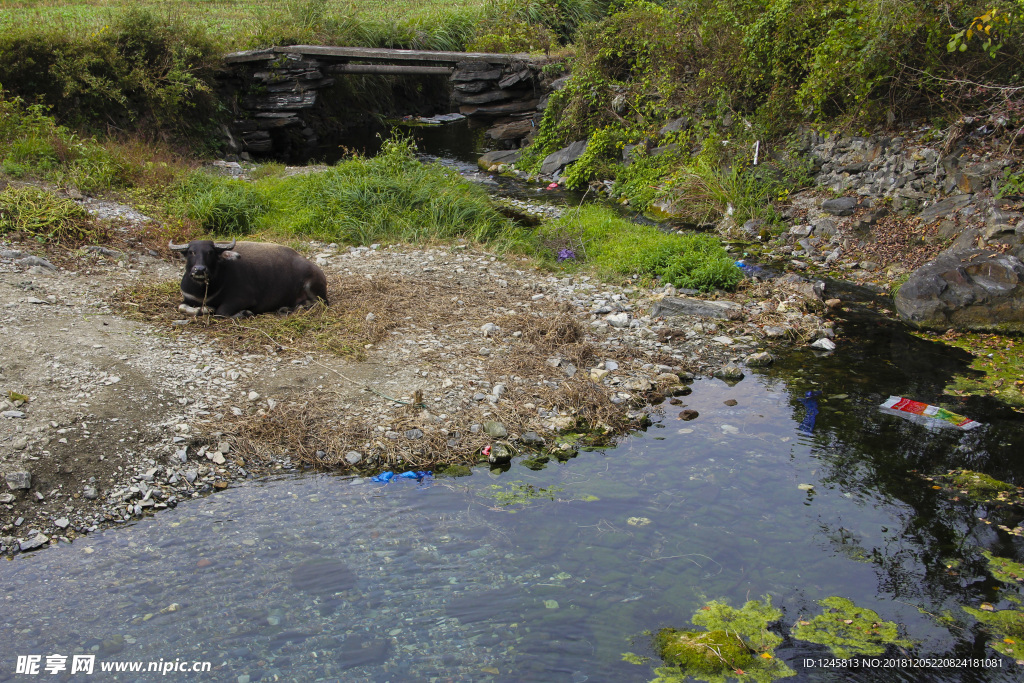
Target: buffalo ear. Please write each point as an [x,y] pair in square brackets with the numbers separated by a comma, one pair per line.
[230,255]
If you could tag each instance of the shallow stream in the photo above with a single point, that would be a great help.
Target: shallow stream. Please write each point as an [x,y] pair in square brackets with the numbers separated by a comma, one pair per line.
[552,575]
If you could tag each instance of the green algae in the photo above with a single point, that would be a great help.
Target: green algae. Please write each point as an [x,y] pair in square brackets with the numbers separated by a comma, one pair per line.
[978,484]
[454,471]
[519,493]
[849,630]
[997,369]
[1008,628]
[736,643]
[1003,569]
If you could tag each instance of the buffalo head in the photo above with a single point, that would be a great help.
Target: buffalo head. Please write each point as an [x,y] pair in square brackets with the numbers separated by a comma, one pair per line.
[202,258]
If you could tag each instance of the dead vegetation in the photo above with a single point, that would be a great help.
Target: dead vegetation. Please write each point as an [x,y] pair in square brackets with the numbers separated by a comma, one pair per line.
[344,328]
[318,432]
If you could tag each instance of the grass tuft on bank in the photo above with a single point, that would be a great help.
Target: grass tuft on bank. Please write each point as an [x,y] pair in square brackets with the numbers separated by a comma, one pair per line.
[619,249]
[389,198]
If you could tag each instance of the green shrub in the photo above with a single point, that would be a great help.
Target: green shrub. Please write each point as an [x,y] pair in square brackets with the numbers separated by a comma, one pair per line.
[140,68]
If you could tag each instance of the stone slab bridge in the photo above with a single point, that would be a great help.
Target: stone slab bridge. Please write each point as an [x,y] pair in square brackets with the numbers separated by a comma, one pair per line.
[276,89]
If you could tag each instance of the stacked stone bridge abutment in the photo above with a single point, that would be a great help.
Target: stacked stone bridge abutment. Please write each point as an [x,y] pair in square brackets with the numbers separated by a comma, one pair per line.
[276,93]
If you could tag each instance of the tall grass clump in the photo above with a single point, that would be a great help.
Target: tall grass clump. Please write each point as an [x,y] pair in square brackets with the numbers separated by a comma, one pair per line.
[34,146]
[320,22]
[618,248]
[222,206]
[533,25]
[390,198]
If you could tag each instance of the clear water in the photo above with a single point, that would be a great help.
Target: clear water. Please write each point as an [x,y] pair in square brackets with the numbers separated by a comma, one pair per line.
[318,577]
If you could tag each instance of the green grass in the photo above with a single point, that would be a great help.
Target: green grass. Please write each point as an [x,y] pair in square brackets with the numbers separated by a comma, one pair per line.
[619,249]
[34,147]
[232,21]
[388,198]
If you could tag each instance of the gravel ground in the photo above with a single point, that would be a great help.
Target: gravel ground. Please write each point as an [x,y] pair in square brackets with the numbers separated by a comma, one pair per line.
[123,418]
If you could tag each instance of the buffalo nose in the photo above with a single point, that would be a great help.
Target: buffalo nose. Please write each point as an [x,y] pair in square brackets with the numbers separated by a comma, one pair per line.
[198,270]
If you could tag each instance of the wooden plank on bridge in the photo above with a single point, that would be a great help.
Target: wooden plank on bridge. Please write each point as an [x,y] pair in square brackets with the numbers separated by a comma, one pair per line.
[390,55]
[250,56]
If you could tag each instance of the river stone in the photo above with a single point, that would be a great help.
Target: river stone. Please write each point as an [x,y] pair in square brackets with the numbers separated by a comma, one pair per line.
[19,480]
[671,306]
[353,457]
[498,156]
[38,541]
[532,439]
[842,206]
[495,429]
[757,360]
[824,344]
[975,289]
[944,208]
[556,161]
[729,372]
[499,455]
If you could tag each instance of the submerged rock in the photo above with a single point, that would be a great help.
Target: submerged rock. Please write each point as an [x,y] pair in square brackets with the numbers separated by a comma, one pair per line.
[975,289]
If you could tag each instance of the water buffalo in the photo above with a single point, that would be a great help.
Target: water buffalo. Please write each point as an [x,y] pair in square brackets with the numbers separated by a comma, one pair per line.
[242,278]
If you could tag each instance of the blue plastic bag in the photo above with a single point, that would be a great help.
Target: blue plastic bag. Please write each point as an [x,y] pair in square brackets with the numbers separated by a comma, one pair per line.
[810,401]
[385,477]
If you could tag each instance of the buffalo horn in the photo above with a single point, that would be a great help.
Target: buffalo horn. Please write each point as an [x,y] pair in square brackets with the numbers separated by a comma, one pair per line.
[176,247]
[224,245]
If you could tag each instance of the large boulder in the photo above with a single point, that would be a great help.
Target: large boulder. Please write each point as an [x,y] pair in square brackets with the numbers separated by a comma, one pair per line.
[975,289]
[556,161]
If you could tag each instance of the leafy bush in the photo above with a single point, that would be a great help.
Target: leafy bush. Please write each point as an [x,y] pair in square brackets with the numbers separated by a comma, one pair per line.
[142,67]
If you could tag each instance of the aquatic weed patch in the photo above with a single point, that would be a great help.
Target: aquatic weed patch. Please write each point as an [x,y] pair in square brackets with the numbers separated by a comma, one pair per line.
[848,630]
[978,487]
[997,369]
[736,643]
[1007,627]
[1004,569]
[519,493]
